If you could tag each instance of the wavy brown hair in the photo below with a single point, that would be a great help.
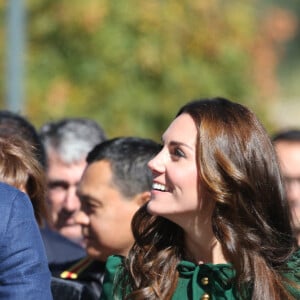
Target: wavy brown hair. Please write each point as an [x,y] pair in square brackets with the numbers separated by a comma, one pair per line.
[20,168]
[238,170]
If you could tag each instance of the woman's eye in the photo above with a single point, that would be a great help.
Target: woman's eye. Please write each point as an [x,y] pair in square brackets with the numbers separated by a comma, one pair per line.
[179,152]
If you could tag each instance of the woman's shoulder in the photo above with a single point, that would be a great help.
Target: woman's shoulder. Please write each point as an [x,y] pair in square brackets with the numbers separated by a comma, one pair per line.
[294,264]
[113,263]
[294,260]
[292,273]
[112,266]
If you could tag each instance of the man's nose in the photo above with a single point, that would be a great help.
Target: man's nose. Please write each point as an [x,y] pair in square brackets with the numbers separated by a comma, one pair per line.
[71,201]
[81,218]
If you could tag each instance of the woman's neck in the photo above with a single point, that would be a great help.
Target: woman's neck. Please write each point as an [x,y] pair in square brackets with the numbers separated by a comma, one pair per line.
[209,253]
[201,245]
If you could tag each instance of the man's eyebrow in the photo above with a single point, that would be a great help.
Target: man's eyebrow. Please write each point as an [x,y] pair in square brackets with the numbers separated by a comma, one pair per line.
[55,183]
[85,197]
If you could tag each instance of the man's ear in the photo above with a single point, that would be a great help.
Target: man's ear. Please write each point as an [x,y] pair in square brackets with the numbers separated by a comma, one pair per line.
[142,198]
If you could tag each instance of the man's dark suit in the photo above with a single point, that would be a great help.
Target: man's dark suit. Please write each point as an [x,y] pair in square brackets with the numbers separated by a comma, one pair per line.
[61,252]
[24,272]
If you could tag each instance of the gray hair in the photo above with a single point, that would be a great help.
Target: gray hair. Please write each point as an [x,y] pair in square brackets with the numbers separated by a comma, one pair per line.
[71,138]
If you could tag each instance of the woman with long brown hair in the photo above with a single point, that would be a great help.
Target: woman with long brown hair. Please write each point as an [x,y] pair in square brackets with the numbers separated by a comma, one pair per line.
[218,224]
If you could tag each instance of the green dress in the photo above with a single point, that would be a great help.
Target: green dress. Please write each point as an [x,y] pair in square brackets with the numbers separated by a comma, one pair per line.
[205,281]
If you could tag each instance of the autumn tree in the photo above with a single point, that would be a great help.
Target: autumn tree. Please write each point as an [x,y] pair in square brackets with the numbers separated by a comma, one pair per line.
[131,64]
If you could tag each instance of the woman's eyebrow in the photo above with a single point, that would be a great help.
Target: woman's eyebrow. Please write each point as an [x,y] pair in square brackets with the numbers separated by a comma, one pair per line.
[176,143]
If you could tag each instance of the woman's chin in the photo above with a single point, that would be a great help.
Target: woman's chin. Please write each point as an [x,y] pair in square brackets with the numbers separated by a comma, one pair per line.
[157,209]
[152,208]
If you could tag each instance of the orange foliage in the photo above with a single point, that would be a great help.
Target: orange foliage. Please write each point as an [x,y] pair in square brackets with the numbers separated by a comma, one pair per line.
[277,26]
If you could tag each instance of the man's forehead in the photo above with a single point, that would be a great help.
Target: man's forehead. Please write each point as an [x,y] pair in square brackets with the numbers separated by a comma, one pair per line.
[289,157]
[54,158]
[288,149]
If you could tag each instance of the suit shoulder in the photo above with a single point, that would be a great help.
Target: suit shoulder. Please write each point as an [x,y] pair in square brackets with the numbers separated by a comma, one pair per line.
[10,192]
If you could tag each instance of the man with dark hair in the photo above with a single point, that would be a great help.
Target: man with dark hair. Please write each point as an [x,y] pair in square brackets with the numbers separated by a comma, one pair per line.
[287,146]
[114,185]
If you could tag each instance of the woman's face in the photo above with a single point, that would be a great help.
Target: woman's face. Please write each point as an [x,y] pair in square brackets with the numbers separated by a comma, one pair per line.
[174,192]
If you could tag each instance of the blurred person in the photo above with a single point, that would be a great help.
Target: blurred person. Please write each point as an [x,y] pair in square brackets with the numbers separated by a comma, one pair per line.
[12,124]
[24,252]
[287,145]
[61,252]
[24,272]
[115,183]
[67,143]
[20,168]
[217,225]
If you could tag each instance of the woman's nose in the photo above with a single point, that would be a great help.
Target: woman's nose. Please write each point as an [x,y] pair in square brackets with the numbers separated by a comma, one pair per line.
[157,164]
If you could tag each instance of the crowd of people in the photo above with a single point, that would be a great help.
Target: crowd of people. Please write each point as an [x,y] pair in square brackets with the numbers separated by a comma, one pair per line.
[211,212]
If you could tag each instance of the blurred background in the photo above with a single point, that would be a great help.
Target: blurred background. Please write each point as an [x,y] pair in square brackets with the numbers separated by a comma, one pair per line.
[130,64]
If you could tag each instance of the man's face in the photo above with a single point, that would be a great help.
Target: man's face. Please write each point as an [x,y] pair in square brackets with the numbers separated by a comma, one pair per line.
[63,180]
[105,214]
[289,159]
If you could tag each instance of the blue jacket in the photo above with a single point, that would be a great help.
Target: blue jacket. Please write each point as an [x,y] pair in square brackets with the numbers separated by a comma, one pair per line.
[24,272]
